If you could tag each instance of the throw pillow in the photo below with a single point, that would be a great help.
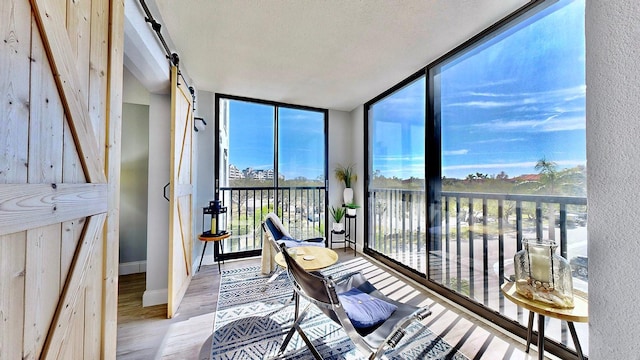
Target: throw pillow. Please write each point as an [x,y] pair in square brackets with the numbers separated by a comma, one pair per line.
[365,310]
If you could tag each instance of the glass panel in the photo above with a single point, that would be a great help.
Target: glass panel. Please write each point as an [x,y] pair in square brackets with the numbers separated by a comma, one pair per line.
[250,147]
[397,216]
[511,110]
[246,170]
[301,159]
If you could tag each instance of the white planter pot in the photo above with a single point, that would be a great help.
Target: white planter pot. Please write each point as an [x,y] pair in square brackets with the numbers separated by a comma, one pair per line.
[347,195]
[351,212]
[338,227]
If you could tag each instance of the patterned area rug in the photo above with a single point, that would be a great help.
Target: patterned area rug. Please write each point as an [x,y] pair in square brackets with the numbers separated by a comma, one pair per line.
[253,318]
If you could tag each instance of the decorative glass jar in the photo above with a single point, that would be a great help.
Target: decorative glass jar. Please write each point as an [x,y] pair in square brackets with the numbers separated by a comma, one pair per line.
[542,275]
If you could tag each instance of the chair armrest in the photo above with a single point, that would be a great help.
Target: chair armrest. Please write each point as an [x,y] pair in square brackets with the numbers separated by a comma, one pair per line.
[314,240]
[395,337]
[422,313]
[399,330]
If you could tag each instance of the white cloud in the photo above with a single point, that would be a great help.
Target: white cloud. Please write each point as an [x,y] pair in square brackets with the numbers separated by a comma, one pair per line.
[487,100]
[456,152]
[490,166]
[501,140]
[405,158]
[550,124]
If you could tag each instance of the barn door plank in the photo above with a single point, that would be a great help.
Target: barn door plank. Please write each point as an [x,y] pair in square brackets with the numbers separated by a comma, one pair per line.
[73,289]
[71,234]
[98,71]
[113,160]
[12,284]
[92,327]
[26,206]
[180,203]
[47,121]
[43,286]
[56,42]
[15,50]
[78,15]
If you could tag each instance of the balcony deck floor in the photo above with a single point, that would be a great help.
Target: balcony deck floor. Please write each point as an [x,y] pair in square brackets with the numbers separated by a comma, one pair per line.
[145,333]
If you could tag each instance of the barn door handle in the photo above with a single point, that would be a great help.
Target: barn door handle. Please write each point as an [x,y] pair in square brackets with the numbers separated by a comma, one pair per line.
[164,192]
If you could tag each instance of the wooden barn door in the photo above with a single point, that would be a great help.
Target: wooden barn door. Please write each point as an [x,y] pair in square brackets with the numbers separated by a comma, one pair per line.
[60,114]
[180,199]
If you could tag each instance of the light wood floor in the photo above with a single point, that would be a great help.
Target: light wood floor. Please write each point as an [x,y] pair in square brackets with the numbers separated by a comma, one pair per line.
[146,333]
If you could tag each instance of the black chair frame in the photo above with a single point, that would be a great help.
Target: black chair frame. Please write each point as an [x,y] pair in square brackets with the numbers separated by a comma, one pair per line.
[322,292]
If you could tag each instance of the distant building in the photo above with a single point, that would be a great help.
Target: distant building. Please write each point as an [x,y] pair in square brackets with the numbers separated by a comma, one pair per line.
[250,173]
[235,173]
[258,175]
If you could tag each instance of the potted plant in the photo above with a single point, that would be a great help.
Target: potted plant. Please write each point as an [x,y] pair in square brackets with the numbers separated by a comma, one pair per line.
[345,174]
[351,209]
[337,214]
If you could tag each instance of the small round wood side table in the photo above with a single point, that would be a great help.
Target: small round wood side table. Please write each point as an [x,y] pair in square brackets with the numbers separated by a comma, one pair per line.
[310,257]
[216,239]
[580,313]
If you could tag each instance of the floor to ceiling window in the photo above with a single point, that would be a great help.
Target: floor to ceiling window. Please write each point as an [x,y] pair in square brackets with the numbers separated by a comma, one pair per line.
[396,190]
[271,158]
[504,160]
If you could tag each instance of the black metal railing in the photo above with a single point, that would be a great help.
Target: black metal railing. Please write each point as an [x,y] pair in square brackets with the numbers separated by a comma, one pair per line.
[470,244]
[474,237]
[301,209]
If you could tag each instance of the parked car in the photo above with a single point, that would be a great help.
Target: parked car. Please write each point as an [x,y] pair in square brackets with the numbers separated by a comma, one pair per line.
[573,219]
[579,267]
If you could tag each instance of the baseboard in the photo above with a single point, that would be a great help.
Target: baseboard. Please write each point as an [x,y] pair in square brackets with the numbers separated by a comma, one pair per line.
[132,267]
[155,297]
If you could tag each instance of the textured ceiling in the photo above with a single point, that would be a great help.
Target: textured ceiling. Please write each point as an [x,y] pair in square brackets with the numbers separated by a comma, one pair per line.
[334,54]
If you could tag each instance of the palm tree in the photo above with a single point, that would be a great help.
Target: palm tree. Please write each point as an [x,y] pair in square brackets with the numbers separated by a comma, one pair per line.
[548,175]
[554,182]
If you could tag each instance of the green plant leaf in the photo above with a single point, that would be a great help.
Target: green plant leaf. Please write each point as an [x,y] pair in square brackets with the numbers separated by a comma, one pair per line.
[337,213]
[345,174]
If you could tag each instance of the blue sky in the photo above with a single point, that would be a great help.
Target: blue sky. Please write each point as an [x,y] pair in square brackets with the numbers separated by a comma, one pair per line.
[514,100]
[301,139]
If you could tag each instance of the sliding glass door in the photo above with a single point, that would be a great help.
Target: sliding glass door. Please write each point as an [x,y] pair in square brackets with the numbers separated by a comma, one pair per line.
[301,168]
[271,158]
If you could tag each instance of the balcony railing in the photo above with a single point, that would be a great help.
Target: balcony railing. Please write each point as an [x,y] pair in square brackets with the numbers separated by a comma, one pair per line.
[301,210]
[470,252]
[475,236]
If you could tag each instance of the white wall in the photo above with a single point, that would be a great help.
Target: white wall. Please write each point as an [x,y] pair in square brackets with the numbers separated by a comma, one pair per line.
[133,92]
[340,152]
[133,190]
[357,149]
[157,136]
[134,163]
[205,177]
[613,154]
[346,144]
[158,208]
